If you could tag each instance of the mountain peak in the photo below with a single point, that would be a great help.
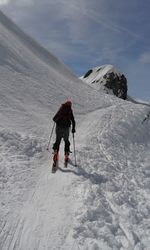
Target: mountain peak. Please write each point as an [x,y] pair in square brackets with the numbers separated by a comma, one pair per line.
[108,79]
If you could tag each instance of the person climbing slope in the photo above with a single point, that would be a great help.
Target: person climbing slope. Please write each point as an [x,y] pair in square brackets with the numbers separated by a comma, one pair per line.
[64,118]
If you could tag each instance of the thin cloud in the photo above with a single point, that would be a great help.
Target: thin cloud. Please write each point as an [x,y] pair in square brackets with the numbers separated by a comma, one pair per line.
[113,39]
[99,18]
[71,27]
[145,58]
[77,11]
[3,2]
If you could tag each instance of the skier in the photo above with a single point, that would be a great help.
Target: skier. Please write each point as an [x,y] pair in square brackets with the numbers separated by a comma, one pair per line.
[63,118]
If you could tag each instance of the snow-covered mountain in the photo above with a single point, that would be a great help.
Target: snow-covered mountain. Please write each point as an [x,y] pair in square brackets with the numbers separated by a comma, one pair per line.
[95,75]
[107,79]
[32,80]
[104,203]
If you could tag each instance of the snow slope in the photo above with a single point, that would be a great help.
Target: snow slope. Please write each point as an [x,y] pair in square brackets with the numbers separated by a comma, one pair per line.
[34,80]
[104,203]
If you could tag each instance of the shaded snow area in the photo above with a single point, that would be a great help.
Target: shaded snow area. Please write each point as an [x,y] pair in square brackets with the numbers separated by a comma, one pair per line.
[104,202]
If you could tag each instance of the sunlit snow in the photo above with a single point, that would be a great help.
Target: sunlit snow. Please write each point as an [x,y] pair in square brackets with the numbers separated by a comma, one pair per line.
[104,202]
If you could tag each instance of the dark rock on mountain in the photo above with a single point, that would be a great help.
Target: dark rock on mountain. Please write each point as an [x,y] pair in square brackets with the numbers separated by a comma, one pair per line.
[118,84]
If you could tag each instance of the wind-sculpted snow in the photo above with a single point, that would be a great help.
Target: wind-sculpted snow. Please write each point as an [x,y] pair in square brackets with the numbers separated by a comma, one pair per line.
[17,154]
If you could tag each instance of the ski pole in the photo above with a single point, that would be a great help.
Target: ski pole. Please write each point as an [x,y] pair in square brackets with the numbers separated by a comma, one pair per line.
[74,150]
[50,136]
[146,117]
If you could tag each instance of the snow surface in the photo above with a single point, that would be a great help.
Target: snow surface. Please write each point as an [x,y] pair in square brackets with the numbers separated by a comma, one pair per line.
[96,77]
[104,203]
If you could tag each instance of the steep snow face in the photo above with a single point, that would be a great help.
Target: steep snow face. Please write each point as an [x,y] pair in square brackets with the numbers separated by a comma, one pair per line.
[107,79]
[33,81]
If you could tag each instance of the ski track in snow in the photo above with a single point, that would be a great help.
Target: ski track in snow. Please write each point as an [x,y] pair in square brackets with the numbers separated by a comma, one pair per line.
[45,218]
[120,187]
[102,204]
[37,214]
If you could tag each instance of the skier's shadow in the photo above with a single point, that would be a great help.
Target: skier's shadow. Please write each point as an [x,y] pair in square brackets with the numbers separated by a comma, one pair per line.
[93,177]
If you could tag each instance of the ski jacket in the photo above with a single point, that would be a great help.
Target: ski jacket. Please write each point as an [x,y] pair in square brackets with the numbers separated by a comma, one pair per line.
[64,117]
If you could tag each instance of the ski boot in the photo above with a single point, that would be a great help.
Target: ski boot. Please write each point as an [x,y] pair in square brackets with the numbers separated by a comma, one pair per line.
[55,161]
[66,159]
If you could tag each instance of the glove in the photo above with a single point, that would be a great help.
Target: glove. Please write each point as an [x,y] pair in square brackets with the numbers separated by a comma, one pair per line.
[55,119]
[73,130]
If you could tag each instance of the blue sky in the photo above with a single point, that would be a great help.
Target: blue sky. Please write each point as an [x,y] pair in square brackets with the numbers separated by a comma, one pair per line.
[85,34]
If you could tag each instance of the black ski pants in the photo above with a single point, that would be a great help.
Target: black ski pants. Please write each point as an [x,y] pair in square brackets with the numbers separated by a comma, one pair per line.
[62,133]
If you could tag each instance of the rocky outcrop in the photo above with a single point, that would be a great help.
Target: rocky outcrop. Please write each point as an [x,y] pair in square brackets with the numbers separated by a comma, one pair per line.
[118,84]
[88,73]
